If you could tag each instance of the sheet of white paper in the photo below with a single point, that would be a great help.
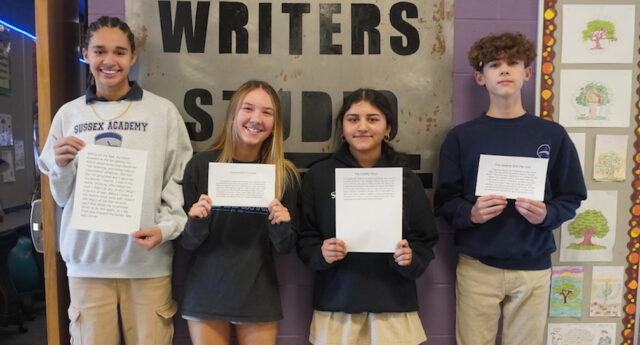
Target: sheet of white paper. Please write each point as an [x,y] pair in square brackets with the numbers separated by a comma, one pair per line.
[610,158]
[607,283]
[109,189]
[6,130]
[581,333]
[242,184]
[582,42]
[593,233]
[19,153]
[595,98]
[512,177]
[369,208]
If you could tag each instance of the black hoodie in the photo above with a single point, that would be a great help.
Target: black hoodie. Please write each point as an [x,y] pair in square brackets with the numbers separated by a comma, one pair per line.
[363,282]
[232,273]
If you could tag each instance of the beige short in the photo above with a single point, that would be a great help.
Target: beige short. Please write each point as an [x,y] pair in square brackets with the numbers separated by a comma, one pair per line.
[335,328]
[146,311]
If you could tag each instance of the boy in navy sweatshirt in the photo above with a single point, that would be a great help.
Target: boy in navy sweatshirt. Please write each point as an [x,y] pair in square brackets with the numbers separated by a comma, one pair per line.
[505,245]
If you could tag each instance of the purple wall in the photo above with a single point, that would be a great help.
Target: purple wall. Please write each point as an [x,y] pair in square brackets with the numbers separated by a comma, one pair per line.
[472,20]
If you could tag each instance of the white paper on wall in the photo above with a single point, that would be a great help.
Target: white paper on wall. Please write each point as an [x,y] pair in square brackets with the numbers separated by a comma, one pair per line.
[598,33]
[591,235]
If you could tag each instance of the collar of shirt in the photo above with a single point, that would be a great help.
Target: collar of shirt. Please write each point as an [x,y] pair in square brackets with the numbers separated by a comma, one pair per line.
[134,94]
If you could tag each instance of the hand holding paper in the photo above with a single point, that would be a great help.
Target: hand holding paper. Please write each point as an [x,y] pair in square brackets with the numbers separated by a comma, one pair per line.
[333,249]
[487,207]
[66,149]
[404,253]
[534,211]
[148,238]
[202,208]
[278,213]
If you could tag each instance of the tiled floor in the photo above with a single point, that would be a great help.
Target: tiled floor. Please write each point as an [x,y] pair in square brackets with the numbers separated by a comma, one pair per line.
[36,329]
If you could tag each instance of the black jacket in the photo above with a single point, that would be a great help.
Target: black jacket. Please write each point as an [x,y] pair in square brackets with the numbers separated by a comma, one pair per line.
[232,274]
[363,282]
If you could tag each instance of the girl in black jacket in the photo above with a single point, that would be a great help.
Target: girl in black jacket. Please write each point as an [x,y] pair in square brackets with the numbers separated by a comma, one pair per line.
[364,298]
[232,277]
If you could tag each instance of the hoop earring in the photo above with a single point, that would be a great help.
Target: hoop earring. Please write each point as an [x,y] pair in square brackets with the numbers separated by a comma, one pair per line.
[343,138]
[386,138]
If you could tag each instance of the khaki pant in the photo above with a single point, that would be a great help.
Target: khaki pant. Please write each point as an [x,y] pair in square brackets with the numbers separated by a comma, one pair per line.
[483,291]
[336,328]
[146,311]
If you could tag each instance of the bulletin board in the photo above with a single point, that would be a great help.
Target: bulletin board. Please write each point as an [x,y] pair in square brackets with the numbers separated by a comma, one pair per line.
[589,81]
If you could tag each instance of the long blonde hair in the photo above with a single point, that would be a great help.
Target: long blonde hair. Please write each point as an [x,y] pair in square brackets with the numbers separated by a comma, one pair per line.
[271,150]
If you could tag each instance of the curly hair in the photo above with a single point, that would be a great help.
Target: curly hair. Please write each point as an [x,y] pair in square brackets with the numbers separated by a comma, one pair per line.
[509,46]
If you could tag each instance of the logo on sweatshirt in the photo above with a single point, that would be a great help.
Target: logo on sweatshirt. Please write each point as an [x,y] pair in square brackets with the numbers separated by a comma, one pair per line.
[544,151]
[109,139]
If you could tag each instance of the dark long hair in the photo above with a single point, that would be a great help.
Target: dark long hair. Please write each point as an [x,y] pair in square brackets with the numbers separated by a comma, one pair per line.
[109,22]
[378,100]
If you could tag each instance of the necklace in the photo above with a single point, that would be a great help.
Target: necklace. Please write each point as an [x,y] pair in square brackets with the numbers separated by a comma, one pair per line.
[111,119]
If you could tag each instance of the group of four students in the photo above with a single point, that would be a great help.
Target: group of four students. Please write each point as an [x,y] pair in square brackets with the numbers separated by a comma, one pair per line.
[359,298]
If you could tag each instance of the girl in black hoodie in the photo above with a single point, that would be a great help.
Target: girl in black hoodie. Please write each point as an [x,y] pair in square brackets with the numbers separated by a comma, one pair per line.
[364,298]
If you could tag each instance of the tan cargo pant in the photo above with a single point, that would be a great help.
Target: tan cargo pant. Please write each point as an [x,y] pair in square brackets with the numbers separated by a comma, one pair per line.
[483,291]
[146,311]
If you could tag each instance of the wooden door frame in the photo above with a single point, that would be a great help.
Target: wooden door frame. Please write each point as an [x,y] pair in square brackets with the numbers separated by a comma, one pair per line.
[57,76]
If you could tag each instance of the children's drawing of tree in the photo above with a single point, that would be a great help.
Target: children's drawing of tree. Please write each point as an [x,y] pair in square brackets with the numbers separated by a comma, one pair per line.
[593,95]
[567,290]
[608,163]
[607,291]
[598,30]
[588,224]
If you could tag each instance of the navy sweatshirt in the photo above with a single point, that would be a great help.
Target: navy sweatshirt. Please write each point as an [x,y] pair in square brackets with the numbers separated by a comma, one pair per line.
[363,282]
[508,241]
[232,273]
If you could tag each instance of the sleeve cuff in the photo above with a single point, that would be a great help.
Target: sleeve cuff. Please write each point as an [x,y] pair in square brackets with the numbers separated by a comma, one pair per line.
[463,220]
[549,219]
[69,169]
[167,233]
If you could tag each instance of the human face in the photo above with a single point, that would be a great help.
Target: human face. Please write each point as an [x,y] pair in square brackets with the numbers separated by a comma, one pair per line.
[503,78]
[254,121]
[364,128]
[110,58]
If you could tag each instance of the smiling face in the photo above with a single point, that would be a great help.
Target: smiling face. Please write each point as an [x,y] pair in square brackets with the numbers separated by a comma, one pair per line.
[364,127]
[110,58]
[503,78]
[253,123]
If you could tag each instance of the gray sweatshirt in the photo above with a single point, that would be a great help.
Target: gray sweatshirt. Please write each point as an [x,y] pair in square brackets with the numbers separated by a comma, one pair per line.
[152,124]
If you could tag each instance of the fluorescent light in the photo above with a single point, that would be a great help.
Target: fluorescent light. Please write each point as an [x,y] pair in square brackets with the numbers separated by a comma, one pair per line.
[18,30]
